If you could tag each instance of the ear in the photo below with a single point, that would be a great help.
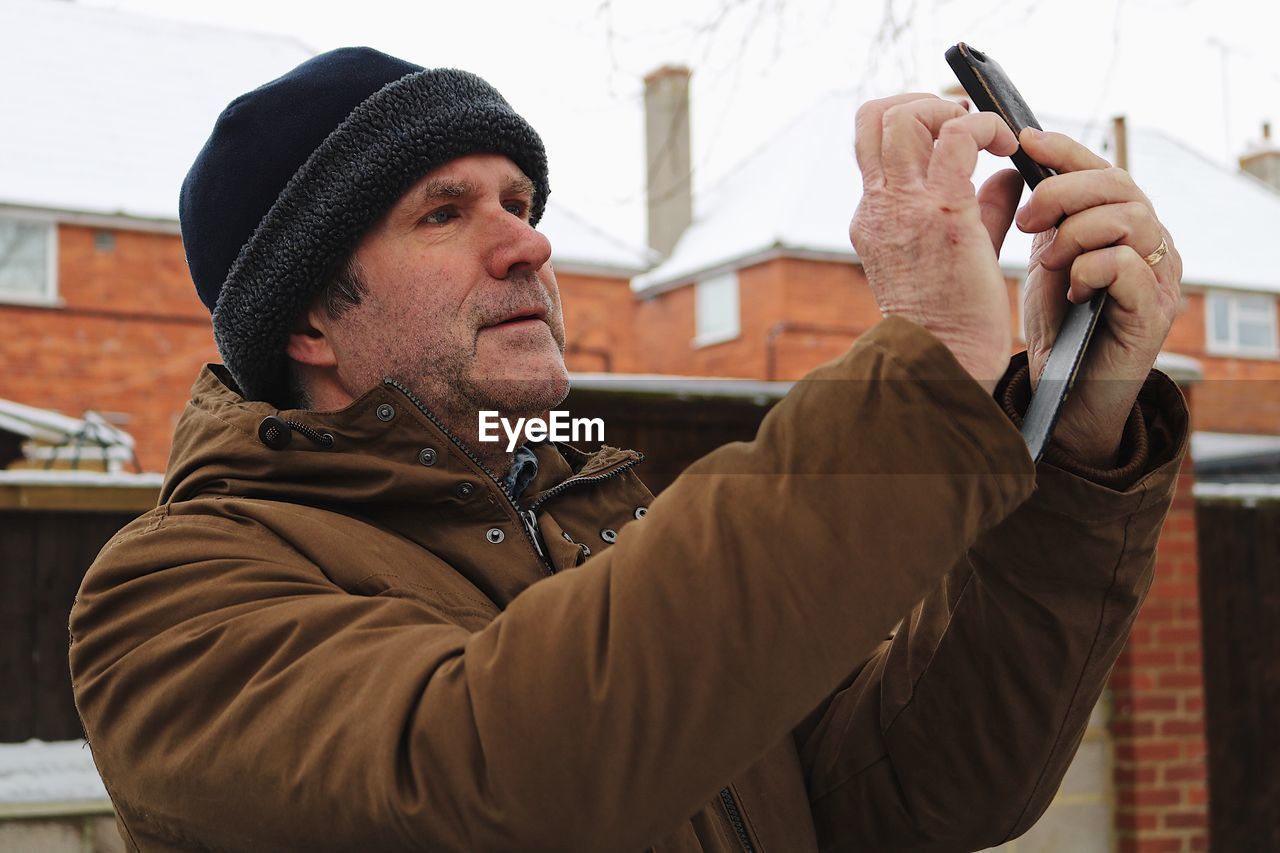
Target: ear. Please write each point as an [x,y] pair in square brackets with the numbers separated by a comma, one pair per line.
[309,341]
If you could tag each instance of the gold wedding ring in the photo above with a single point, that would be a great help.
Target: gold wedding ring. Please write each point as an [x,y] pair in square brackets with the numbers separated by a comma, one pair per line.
[1155,257]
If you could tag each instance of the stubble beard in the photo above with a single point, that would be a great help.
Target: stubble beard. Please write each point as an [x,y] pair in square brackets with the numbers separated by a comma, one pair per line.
[444,376]
[443,373]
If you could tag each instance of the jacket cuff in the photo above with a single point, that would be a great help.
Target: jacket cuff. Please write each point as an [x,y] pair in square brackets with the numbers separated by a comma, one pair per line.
[934,369]
[1155,433]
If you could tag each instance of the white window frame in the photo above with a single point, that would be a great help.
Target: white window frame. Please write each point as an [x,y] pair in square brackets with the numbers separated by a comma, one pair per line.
[49,296]
[708,289]
[1232,301]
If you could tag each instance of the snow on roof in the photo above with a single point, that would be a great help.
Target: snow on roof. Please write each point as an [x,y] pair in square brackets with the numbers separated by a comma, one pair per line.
[577,245]
[52,437]
[760,392]
[1180,368]
[88,479]
[1220,446]
[40,772]
[1247,493]
[50,426]
[798,192]
[105,111]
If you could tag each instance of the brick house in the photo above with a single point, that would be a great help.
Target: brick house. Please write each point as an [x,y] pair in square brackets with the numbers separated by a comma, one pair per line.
[96,303]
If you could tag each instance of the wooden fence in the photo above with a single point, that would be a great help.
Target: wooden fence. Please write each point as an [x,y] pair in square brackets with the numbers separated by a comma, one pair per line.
[1240,611]
[43,556]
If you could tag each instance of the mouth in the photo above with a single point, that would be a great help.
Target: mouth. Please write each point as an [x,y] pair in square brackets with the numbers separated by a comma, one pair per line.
[520,317]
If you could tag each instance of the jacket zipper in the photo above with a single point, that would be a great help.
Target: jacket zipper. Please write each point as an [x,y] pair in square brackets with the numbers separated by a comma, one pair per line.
[575,481]
[735,818]
[528,517]
[528,523]
[531,527]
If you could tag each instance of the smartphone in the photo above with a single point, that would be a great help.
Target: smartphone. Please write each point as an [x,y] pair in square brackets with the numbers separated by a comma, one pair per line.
[991,91]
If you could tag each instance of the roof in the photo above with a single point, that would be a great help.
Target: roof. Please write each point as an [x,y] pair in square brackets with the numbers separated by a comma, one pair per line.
[49,426]
[52,437]
[1182,369]
[579,246]
[1236,458]
[1248,494]
[1219,446]
[798,192]
[758,392]
[105,111]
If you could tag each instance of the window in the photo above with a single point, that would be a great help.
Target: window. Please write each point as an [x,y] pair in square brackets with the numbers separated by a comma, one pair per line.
[26,261]
[1241,324]
[715,309]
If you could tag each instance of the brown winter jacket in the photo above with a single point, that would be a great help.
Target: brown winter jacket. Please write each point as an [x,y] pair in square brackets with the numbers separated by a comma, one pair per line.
[356,646]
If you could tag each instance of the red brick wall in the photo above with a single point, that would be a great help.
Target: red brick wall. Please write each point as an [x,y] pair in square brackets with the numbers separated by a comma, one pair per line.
[1237,394]
[599,314]
[1157,722]
[143,273]
[794,315]
[665,329]
[128,341]
[129,335]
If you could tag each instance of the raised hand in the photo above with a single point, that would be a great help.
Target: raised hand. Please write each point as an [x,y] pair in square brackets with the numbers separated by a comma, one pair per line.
[927,241]
[1110,239]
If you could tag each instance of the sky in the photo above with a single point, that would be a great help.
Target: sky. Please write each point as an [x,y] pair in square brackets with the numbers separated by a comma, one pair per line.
[1204,71]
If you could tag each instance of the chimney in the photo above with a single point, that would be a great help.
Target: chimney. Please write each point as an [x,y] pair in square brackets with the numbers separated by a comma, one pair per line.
[669,167]
[1120,138]
[1262,160]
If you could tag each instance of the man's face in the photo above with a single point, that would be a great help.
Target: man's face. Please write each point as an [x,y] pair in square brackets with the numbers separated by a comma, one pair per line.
[462,304]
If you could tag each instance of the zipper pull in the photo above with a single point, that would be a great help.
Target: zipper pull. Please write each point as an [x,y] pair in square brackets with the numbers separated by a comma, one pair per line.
[531,526]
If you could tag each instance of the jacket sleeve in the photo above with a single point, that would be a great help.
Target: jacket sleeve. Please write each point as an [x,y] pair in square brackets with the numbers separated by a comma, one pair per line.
[957,731]
[242,700]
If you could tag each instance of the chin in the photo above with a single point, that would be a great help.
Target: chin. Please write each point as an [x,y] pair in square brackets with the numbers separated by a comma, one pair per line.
[539,386]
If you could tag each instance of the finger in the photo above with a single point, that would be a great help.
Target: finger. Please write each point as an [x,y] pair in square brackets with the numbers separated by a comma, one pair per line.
[1058,151]
[1129,223]
[997,199]
[869,134]
[1071,192]
[910,130]
[950,168]
[1121,272]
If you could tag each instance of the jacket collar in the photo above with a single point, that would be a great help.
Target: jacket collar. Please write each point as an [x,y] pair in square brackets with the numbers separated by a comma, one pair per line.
[385,446]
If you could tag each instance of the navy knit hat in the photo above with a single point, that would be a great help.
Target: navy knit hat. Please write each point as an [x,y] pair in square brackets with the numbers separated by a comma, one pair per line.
[298,169]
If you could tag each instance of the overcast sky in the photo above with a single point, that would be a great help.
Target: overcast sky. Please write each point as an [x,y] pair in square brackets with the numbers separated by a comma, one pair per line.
[1205,71]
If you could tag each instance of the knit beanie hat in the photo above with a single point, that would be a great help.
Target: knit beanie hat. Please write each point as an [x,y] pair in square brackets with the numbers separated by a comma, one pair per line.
[297,170]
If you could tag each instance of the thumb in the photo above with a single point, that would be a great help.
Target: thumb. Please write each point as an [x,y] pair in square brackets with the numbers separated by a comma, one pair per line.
[997,202]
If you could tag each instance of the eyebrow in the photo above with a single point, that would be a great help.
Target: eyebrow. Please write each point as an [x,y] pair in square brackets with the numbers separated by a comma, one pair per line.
[447,188]
[520,185]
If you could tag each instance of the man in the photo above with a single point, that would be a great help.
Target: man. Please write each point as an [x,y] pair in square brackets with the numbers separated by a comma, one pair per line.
[352,625]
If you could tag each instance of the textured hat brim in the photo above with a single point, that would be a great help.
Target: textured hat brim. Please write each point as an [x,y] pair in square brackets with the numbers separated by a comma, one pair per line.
[388,142]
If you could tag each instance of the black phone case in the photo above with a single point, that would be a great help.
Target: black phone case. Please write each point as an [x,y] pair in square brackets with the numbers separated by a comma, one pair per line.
[991,91]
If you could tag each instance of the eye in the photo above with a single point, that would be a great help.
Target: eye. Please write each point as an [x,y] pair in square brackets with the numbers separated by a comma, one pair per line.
[518,207]
[439,216]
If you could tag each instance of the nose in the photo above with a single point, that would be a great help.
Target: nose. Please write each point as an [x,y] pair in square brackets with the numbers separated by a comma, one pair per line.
[517,247]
